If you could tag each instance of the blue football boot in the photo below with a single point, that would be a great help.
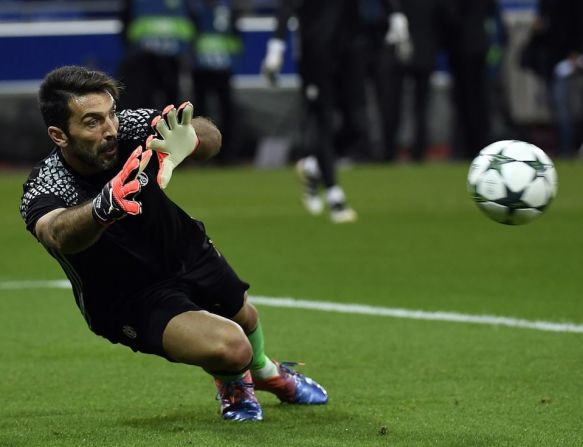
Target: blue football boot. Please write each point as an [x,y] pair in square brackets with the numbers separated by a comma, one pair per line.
[292,387]
[238,401]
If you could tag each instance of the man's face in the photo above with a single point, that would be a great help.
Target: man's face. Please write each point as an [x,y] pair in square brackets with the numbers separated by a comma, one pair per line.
[92,139]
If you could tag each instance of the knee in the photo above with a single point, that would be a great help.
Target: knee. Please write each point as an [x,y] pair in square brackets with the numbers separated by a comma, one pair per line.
[207,340]
[232,352]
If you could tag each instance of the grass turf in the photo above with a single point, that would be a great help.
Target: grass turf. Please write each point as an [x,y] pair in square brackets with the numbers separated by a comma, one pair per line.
[419,244]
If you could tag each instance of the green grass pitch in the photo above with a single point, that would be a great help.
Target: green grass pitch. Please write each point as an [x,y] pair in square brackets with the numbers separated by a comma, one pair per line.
[420,244]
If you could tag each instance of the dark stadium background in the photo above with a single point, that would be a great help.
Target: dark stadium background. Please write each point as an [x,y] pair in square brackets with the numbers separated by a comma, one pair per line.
[87,33]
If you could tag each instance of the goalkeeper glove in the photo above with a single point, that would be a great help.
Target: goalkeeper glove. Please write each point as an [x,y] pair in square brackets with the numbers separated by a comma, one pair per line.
[178,139]
[271,65]
[117,198]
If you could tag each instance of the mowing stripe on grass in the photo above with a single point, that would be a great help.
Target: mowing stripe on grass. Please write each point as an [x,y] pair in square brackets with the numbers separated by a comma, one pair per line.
[361,309]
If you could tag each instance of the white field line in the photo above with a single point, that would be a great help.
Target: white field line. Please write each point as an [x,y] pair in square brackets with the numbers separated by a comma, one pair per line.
[358,309]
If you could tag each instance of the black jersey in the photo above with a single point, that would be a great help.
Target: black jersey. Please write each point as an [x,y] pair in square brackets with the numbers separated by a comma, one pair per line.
[133,253]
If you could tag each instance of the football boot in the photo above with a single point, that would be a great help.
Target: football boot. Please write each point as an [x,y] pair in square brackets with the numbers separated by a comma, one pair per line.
[238,401]
[292,387]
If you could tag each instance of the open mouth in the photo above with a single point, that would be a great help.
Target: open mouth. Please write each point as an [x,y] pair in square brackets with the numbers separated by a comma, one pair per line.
[109,149]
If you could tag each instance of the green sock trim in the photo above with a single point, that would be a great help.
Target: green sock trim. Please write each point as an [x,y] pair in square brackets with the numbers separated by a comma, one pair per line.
[229,376]
[258,345]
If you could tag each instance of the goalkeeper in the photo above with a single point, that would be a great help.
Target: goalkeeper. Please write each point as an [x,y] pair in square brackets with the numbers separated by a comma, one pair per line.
[144,273]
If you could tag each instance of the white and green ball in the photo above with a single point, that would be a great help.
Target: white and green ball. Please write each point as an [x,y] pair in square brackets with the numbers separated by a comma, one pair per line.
[512,182]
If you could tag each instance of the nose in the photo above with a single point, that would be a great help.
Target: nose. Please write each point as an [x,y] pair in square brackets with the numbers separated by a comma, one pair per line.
[110,128]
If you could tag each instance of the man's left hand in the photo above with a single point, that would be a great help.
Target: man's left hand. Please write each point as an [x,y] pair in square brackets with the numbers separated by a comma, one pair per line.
[177,139]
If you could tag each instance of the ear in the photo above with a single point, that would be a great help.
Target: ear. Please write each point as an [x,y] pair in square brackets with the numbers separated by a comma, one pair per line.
[58,136]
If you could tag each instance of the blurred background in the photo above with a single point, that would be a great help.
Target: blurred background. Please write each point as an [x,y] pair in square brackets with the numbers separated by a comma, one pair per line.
[262,120]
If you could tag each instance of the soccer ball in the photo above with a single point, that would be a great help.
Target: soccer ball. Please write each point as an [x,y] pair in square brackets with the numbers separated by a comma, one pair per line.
[512,182]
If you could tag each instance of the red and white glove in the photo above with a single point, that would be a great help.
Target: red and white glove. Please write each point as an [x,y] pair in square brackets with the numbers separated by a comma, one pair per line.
[177,140]
[117,198]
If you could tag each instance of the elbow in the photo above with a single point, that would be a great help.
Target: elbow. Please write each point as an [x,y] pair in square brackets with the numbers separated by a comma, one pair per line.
[55,241]
[50,242]
[215,141]
[210,145]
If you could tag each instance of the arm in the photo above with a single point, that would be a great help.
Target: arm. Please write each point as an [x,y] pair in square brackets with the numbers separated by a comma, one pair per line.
[69,230]
[392,6]
[72,230]
[284,13]
[398,30]
[398,25]
[273,60]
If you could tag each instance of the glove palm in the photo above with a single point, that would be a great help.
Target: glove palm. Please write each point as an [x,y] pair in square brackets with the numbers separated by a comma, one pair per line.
[178,140]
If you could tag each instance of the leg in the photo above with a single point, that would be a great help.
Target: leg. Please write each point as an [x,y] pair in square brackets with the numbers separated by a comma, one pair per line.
[559,92]
[207,335]
[421,103]
[470,97]
[350,94]
[222,349]
[215,343]
[226,109]
[277,378]
[321,106]
[214,285]
[389,79]
[318,143]
[247,317]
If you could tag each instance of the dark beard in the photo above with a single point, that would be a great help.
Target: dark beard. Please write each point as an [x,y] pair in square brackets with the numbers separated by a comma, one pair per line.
[97,161]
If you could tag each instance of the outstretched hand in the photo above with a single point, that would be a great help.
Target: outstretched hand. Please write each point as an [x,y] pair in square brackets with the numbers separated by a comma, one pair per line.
[176,140]
[117,198]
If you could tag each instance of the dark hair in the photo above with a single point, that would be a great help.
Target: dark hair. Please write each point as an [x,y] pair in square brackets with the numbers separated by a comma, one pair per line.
[64,83]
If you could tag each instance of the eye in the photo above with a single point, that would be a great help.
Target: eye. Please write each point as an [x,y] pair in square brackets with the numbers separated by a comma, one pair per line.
[93,122]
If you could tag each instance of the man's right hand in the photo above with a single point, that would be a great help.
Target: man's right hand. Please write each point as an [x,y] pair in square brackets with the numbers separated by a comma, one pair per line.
[117,198]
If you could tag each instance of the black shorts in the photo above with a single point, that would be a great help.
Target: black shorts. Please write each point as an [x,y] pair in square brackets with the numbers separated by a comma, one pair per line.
[212,285]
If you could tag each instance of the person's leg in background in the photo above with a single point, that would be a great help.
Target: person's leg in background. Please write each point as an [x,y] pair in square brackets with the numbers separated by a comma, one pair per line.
[421,79]
[389,84]
[560,91]
[317,90]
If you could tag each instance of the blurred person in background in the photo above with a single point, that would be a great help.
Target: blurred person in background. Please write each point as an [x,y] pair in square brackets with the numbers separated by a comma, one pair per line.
[327,29]
[467,44]
[503,126]
[144,273]
[158,36]
[411,56]
[352,142]
[217,45]
[558,29]
[385,31]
